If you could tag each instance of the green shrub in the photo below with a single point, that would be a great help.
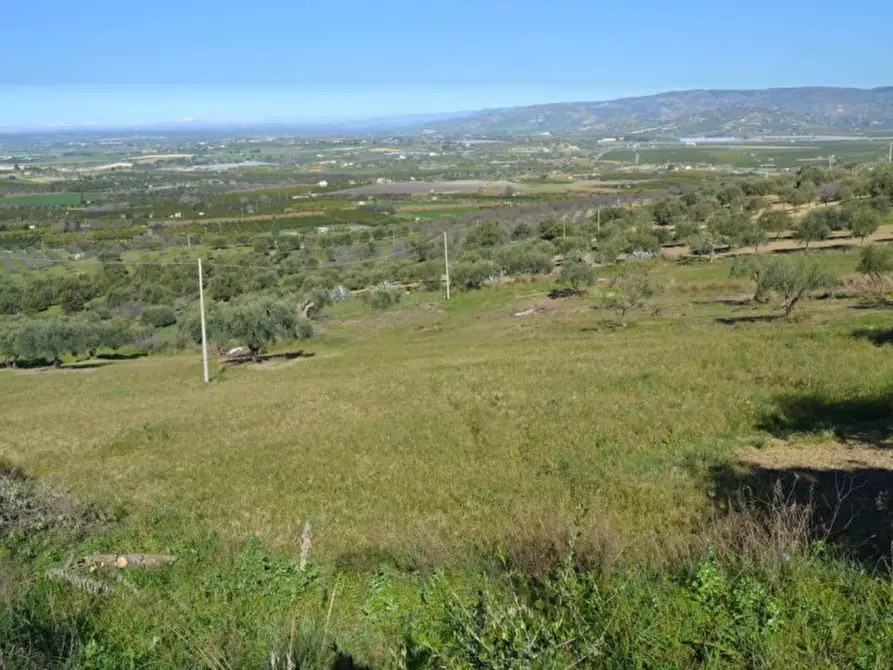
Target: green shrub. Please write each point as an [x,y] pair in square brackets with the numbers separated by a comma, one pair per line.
[474,274]
[39,294]
[158,316]
[10,297]
[525,259]
[577,273]
[382,297]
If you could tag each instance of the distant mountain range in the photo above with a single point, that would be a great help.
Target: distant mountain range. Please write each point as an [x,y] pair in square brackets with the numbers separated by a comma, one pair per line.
[773,111]
[698,112]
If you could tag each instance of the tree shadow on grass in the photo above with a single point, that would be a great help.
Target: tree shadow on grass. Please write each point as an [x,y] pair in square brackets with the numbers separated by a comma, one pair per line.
[265,358]
[42,365]
[858,419]
[749,318]
[847,489]
[30,364]
[728,302]
[121,357]
[849,508]
[877,336]
[866,304]
[84,366]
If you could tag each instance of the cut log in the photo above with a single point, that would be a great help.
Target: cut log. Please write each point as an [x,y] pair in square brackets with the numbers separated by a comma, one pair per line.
[123,560]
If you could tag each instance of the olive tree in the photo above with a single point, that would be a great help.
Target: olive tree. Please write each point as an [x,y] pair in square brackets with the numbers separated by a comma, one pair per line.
[93,334]
[8,334]
[473,274]
[578,273]
[863,221]
[752,267]
[880,182]
[668,211]
[10,297]
[876,262]
[48,337]
[775,221]
[256,323]
[753,235]
[811,228]
[524,259]
[792,279]
[731,196]
[632,288]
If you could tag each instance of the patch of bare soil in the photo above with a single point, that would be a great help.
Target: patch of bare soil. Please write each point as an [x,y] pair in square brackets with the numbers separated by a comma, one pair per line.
[782,455]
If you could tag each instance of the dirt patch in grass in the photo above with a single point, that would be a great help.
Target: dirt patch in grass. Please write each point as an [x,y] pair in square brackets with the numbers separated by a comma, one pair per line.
[781,454]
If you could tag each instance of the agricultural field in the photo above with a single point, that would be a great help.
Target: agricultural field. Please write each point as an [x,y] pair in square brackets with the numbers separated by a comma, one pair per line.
[49,199]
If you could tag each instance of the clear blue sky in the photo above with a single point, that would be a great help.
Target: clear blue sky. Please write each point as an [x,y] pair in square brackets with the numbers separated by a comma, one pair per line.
[109,62]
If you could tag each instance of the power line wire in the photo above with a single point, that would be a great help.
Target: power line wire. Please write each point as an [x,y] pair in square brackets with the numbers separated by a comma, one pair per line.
[324,265]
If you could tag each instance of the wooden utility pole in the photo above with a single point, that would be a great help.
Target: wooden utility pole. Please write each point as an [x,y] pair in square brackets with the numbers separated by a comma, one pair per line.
[201,304]
[598,221]
[890,154]
[446,264]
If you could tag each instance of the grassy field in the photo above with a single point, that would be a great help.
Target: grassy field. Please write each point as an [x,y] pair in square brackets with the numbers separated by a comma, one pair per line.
[435,436]
[48,199]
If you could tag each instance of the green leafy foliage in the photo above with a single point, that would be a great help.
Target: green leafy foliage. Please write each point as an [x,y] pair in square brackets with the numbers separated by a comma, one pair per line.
[40,294]
[10,297]
[522,623]
[812,228]
[578,273]
[255,324]
[880,182]
[488,234]
[792,279]
[382,297]
[75,293]
[158,316]
[526,259]
[225,285]
[775,221]
[863,220]
[876,261]
[472,274]
[49,337]
[632,288]
[668,211]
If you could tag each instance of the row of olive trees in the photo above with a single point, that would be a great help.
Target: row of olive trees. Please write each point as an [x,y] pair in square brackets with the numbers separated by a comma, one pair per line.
[51,339]
[790,279]
[860,218]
